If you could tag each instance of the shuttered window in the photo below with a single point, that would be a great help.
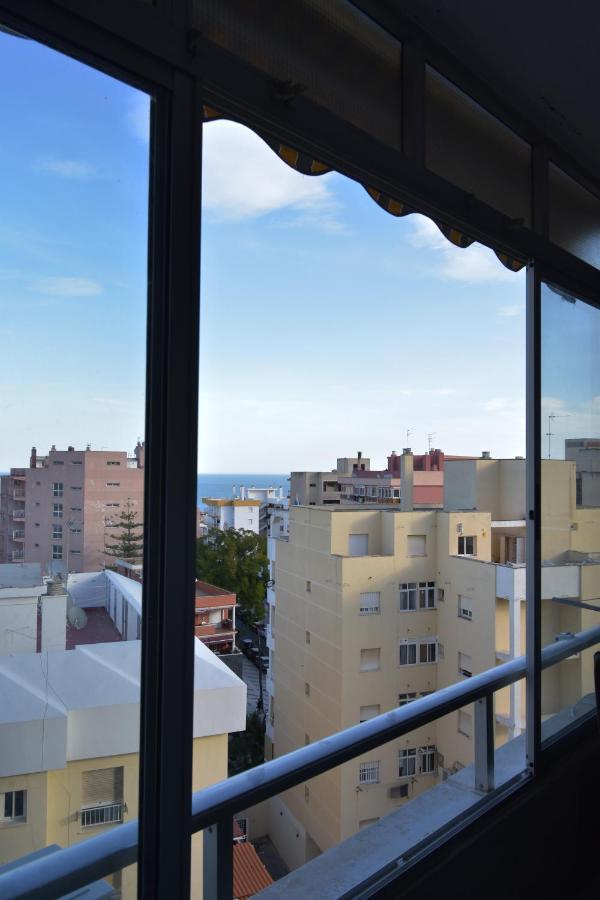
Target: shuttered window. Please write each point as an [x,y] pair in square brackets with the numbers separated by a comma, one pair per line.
[369,603]
[358,544]
[100,786]
[370,660]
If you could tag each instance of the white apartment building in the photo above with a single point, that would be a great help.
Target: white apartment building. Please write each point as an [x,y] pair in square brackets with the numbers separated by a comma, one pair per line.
[373,608]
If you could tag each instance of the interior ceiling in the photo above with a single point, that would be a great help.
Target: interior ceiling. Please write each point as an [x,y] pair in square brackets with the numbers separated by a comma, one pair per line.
[540,56]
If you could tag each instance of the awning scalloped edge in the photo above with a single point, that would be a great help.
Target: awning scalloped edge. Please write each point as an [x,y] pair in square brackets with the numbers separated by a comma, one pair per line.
[307,165]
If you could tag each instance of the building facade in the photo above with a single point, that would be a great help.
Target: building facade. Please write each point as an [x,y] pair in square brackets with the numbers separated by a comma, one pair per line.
[64,508]
[372,608]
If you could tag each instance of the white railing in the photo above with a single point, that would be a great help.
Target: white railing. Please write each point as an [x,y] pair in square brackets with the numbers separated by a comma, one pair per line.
[105,814]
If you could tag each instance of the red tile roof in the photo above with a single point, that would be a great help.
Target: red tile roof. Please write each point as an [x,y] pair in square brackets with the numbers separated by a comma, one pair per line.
[249,874]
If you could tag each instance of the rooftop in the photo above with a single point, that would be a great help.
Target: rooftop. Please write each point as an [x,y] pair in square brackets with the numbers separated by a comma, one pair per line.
[249,874]
[98,629]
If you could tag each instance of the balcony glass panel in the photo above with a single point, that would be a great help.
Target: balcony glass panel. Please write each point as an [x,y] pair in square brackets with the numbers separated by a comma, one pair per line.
[570,491]
[74,185]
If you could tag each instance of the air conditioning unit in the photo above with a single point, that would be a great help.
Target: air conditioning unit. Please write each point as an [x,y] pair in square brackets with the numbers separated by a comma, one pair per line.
[398,791]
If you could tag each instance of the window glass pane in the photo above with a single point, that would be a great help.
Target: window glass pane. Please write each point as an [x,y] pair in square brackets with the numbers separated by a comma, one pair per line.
[74,169]
[288,262]
[570,500]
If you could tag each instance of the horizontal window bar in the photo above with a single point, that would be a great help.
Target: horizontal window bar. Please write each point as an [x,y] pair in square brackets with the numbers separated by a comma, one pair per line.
[76,866]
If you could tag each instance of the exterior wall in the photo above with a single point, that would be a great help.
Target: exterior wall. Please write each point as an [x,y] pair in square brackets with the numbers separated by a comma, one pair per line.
[209,765]
[18,619]
[238,514]
[91,487]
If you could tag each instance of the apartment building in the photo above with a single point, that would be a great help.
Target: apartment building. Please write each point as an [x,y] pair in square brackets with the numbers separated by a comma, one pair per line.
[585,453]
[372,608]
[315,488]
[63,508]
[215,617]
[69,729]
[223,513]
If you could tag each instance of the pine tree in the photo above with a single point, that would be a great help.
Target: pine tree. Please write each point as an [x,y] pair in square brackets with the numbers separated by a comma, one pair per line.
[129,540]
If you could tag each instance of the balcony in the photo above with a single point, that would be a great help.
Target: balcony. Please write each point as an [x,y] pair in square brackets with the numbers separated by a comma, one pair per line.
[18,515]
[216,633]
[19,495]
[18,535]
[105,814]
[17,556]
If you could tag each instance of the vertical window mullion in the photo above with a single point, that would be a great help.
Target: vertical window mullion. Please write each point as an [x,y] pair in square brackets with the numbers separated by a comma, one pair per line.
[533,507]
[166,730]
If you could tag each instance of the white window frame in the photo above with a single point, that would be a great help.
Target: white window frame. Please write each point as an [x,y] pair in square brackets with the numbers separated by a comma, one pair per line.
[57,552]
[406,697]
[427,594]
[428,760]
[57,532]
[368,772]
[410,646]
[407,759]
[408,596]
[370,607]
[58,489]
[429,645]
[422,537]
[465,612]
[4,801]
[57,510]
[463,670]
[462,541]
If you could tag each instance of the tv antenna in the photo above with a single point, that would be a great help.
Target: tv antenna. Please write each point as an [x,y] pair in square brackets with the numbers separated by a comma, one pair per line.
[550,433]
[408,434]
[430,437]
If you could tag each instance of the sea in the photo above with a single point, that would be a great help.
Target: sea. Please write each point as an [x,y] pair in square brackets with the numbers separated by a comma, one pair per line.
[228,485]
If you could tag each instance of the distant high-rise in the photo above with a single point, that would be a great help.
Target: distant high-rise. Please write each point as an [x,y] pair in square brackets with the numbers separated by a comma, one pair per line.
[61,510]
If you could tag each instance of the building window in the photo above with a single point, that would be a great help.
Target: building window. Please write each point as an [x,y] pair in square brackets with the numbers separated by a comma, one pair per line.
[465,723]
[406,697]
[57,532]
[408,653]
[416,545]
[113,484]
[369,712]
[13,806]
[112,462]
[370,660]
[58,462]
[102,797]
[75,488]
[407,762]
[75,552]
[369,603]
[57,489]
[465,607]
[368,773]
[465,665]
[57,510]
[113,505]
[307,688]
[428,651]
[427,760]
[427,595]
[76,462]
[57,551]
[75,509]
[467,545]
[308,587]
[408,596]
[358,544]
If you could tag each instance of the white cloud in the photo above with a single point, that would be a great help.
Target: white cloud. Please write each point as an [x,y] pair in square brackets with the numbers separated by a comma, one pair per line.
[67,168]
[509,311]
[67,287]
[472,264]
[243,178]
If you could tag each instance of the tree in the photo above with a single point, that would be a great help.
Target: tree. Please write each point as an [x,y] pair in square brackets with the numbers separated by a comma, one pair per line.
[247,748]
[236,561]
[128,542]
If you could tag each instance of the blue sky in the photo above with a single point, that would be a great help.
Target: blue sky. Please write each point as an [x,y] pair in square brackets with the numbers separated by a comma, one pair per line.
[328,326]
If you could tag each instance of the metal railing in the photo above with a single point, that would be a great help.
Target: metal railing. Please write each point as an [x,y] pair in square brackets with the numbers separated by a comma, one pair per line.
[105,814]
[213,807]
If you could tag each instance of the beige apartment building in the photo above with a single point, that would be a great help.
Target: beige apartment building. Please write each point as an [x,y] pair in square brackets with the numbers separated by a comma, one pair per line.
[315,488]
[62,509]
[372,608]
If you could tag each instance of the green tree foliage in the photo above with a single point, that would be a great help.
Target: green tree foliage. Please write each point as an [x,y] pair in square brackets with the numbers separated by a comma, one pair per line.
[128,538]
[247,748]
[236,561]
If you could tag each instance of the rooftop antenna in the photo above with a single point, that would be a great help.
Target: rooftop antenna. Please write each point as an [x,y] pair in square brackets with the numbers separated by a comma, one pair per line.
[408,434]
[549,433]
[430,437]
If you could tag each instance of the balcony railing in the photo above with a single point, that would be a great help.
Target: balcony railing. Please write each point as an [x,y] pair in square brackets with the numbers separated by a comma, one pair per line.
[19,495]
[17,556]
[18,514]
[18,535]
[105,814]
[213,807]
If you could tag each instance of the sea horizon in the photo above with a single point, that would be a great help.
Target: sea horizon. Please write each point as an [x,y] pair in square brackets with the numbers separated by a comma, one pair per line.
[227,484]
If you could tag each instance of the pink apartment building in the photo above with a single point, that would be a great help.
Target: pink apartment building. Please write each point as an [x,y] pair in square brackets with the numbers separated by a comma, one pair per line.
[62,508]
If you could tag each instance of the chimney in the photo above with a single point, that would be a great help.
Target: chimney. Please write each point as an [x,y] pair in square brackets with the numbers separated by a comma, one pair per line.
[359,455]
[33,458]
[485,454]
[406,480]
